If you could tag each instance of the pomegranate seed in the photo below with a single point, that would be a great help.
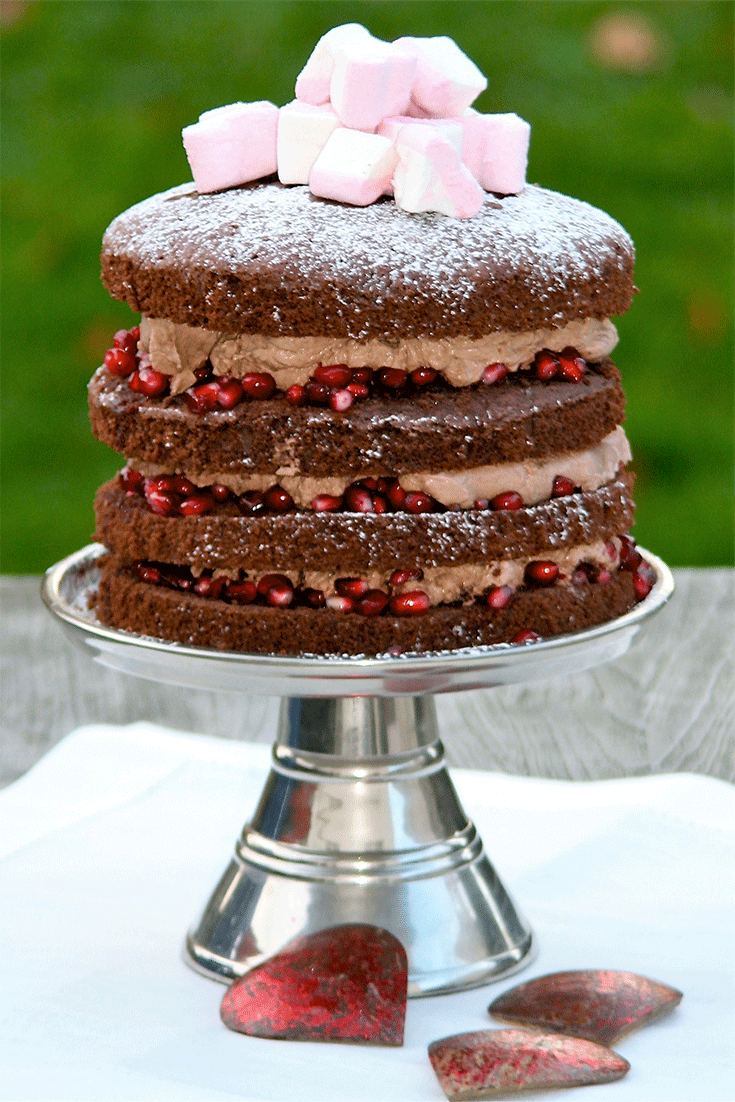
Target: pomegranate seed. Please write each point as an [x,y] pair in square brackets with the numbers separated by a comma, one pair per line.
[201,399]
[508,501]
[316,393]
[280,596]
[414,603]
[358,500]
[481,503]
[493,373]
[340,400]
[392,378]
[526,636]
[270,581]
[362,375]
[340,604]
[417,502]
[219,493]
[372,602]
[333,375]
[209,587]
[230,393]
[396,496]
[242,593]
[163,505]
[562,486]
[541,572]
[258,384]
[131,481]
[295,395]
[154,384]
[164,483]
[499,596]
[630,557]
[277,500]
[148,573]
[196,505]
[358,390]
[312,598]
[423,376]
[134,383]
[326,503]
[120,362]
[380,503]
[351,587]
[382,484]
[571,365]
[203,374]
[546,365]
[251,502]
[127,340]
[400,577]
[644,579]
[182,485]
[603,576]
[369,483]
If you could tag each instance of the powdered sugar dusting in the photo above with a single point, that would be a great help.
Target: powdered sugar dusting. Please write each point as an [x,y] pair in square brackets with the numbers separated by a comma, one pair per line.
[369,256]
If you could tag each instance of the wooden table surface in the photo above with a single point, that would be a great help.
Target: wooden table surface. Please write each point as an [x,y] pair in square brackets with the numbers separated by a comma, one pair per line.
[666,706]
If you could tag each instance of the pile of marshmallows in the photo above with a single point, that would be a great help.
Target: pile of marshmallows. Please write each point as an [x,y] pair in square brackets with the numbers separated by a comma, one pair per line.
[370,118]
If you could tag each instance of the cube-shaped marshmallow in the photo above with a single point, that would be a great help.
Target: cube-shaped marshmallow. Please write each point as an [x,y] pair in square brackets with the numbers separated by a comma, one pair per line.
[232,145]
[446,81]
[353,167]
[474,139]
[302,133]
[429,175]
[452,129]
[312,83]
[505,158]
[370,80]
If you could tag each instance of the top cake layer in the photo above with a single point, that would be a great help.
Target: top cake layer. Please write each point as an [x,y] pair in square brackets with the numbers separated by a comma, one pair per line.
[276,261]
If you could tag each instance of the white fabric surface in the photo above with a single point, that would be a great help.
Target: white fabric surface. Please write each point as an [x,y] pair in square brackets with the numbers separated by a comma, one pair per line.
[111,845]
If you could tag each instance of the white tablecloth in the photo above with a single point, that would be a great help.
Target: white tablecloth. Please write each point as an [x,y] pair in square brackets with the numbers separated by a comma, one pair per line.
[111,845]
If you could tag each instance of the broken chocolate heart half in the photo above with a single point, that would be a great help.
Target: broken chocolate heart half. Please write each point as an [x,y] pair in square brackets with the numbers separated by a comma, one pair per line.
[345,983]
[595,1004]
[502,1061]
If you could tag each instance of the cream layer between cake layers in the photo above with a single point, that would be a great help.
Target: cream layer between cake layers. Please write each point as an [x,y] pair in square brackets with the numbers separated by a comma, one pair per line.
[179,350]
[533,479]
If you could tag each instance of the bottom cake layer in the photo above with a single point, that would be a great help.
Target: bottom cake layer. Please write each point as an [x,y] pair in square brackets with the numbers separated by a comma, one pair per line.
[130,604]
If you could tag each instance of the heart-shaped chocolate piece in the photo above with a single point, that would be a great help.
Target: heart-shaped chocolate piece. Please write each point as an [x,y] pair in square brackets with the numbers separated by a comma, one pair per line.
[503,1061]
[344,983]
[596,1004]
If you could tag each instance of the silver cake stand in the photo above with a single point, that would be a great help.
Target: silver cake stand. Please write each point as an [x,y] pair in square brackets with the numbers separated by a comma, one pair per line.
[358,820]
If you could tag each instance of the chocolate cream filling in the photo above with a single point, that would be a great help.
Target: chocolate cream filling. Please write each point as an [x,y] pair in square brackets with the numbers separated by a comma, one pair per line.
[180,350]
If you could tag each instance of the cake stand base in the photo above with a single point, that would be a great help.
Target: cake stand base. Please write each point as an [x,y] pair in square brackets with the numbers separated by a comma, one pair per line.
[370,832]
[358,820]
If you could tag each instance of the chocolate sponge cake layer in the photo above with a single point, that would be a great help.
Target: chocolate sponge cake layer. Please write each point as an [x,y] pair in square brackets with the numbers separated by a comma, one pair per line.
[356,543]
[131,605]
[515,420]
[276,261]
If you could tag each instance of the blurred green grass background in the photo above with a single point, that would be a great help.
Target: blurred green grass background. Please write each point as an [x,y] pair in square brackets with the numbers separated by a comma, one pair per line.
[631,109]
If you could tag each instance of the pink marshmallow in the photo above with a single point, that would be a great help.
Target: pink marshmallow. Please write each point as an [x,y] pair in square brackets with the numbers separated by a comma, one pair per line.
[302,133]
[370,80]
[452,129]
[429,175]
[353,167]
[312,83]
[474,140]
[505,158]
[232,145]
[446,81]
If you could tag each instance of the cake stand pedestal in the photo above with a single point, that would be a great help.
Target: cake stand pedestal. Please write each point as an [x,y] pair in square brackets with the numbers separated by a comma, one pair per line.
[358,820]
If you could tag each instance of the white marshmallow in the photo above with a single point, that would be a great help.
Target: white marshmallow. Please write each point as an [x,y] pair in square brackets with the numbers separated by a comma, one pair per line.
[312,83]
[505,158]
[446,81]
[302,134]
[370,80]
[232,145]
[429,175]
[452,129]
[353,167]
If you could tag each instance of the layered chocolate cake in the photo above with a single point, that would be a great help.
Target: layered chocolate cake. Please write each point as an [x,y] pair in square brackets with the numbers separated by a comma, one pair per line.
[356,430]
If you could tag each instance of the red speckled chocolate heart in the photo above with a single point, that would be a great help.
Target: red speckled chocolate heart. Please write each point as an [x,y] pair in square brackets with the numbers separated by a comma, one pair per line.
[596,1004]
[503,1061]
[345,983]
